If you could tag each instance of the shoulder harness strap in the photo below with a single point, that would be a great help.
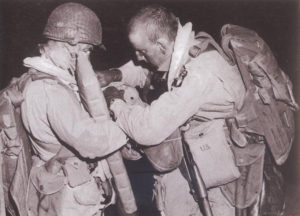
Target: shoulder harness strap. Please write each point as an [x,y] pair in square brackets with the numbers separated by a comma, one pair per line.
[207,43]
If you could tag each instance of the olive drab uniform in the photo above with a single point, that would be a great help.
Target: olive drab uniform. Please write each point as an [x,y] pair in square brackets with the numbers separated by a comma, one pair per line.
[73,176]
[21,174]
[201,92]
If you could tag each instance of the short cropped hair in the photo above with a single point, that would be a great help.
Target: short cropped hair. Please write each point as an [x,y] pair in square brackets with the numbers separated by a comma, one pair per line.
[158,21]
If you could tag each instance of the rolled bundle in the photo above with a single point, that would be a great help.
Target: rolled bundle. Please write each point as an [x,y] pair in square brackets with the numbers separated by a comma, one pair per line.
[94,102]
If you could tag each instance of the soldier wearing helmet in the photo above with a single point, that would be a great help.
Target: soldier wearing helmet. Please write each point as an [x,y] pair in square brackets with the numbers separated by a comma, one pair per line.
[60,130]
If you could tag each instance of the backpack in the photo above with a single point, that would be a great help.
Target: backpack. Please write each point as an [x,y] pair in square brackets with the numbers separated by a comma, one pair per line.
[269,104]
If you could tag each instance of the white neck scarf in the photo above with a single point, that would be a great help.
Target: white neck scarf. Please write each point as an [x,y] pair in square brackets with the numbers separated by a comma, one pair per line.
[180,52]
[44,65]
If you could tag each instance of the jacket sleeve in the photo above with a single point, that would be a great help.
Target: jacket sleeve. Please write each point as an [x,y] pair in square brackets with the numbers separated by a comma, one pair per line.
[72,125]
[201,93]
[133,75]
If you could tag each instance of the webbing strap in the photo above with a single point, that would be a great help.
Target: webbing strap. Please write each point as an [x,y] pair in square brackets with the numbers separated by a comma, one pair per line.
[17,85]
[206,42]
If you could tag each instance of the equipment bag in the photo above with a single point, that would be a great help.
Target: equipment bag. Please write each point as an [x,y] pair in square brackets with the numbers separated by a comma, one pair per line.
[210,151]
[167,155]
[269,105]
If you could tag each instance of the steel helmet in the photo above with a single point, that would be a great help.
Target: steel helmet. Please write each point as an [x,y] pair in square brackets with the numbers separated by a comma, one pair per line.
[74,23]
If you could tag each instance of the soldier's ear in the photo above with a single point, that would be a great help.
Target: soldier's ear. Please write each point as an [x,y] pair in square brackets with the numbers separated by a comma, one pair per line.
[162,43]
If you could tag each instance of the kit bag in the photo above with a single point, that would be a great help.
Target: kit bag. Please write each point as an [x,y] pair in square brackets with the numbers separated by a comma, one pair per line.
[269,105]
[208,144]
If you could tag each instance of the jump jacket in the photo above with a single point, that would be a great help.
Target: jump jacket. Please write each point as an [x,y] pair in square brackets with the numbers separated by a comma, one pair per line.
[53,115]
[212,89]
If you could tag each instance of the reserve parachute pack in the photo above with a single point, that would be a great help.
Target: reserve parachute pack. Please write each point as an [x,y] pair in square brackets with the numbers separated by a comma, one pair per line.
[269,105]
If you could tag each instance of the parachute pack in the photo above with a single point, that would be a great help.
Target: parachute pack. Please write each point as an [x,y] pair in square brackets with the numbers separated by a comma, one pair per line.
[269,105]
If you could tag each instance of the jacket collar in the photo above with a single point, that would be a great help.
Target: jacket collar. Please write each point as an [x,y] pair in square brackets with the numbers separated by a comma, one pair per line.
[180,55]
[44,65]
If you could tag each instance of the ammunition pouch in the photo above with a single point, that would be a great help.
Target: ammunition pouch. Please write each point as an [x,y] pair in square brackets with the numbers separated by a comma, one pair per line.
[70,191]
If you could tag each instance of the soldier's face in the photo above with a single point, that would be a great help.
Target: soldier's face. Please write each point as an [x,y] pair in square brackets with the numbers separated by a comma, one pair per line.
[73,52]
[58,52]
[64,55]
[148,51]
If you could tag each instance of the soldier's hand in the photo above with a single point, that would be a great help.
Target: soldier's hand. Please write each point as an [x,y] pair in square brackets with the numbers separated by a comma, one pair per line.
[106,77]
[111,93]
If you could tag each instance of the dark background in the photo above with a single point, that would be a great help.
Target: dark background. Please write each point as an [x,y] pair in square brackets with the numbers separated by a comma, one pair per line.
[22,23]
